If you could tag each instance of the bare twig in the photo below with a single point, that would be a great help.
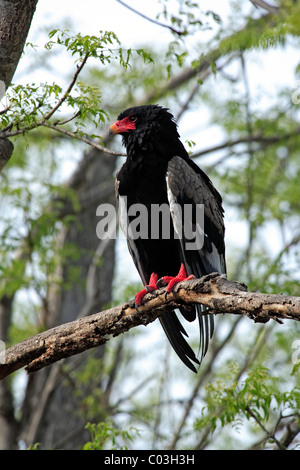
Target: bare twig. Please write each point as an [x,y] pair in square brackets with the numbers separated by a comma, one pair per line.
[266,6]
[158,23]
[76,115]
[257,138]
[269,434]
[214,291]
[84,139]
[3,111]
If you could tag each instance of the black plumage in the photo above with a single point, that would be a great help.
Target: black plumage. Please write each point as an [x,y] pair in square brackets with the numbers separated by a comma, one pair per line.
[158,171]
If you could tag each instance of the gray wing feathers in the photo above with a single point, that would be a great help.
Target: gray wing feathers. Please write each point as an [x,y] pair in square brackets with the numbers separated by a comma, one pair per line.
[186,186]
[189,186]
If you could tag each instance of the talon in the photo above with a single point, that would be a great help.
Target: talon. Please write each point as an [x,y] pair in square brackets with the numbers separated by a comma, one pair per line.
[163,281]
[155,283]
[139,296]
[147,289]
[172,281]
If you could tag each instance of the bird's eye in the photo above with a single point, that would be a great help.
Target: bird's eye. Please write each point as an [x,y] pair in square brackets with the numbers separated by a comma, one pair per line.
[133,118]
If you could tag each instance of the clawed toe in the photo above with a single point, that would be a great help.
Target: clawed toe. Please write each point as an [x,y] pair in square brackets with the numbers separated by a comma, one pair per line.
[148,288]
[171,281]
[155,283]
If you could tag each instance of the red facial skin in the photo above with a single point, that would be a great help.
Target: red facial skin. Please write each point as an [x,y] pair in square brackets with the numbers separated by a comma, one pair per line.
[126,125]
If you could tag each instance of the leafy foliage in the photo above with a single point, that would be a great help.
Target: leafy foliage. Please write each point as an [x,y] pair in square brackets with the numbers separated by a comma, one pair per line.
[258,398]
[32,106]
[105,436]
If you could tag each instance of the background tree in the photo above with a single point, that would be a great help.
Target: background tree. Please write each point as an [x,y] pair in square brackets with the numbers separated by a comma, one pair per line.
[54,268]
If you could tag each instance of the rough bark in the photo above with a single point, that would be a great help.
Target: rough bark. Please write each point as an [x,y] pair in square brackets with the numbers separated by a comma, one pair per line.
[214,291]
[15,21]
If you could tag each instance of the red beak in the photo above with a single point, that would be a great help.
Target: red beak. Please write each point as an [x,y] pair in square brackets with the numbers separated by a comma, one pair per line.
[120,127]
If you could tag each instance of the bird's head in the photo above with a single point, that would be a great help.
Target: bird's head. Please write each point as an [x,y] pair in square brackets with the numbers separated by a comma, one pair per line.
[147,127]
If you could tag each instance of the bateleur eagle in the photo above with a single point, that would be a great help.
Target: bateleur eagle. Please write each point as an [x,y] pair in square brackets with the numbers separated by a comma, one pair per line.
[159,174]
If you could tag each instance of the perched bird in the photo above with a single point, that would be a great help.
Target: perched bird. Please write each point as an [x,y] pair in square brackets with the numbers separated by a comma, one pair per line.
[161,193]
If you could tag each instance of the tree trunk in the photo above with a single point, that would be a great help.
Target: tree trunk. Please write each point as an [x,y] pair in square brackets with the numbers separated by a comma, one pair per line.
[15,21]
[8,426]
[51,411]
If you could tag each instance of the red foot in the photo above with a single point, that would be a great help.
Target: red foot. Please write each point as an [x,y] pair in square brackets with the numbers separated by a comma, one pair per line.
[170,281]
[149,288]
[156,283]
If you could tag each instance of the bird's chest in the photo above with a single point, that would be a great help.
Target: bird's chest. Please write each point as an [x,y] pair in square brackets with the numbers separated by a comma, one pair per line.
[143,184]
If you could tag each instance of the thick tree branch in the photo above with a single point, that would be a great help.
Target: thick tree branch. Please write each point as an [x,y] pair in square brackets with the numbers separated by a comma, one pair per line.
[214,291]
[92,142]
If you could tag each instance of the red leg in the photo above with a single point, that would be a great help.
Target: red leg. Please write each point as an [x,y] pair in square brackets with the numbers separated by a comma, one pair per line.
[149,288]
[170,281]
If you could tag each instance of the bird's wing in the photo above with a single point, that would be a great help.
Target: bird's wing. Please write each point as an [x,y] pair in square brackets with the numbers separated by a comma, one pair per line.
[197,215]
